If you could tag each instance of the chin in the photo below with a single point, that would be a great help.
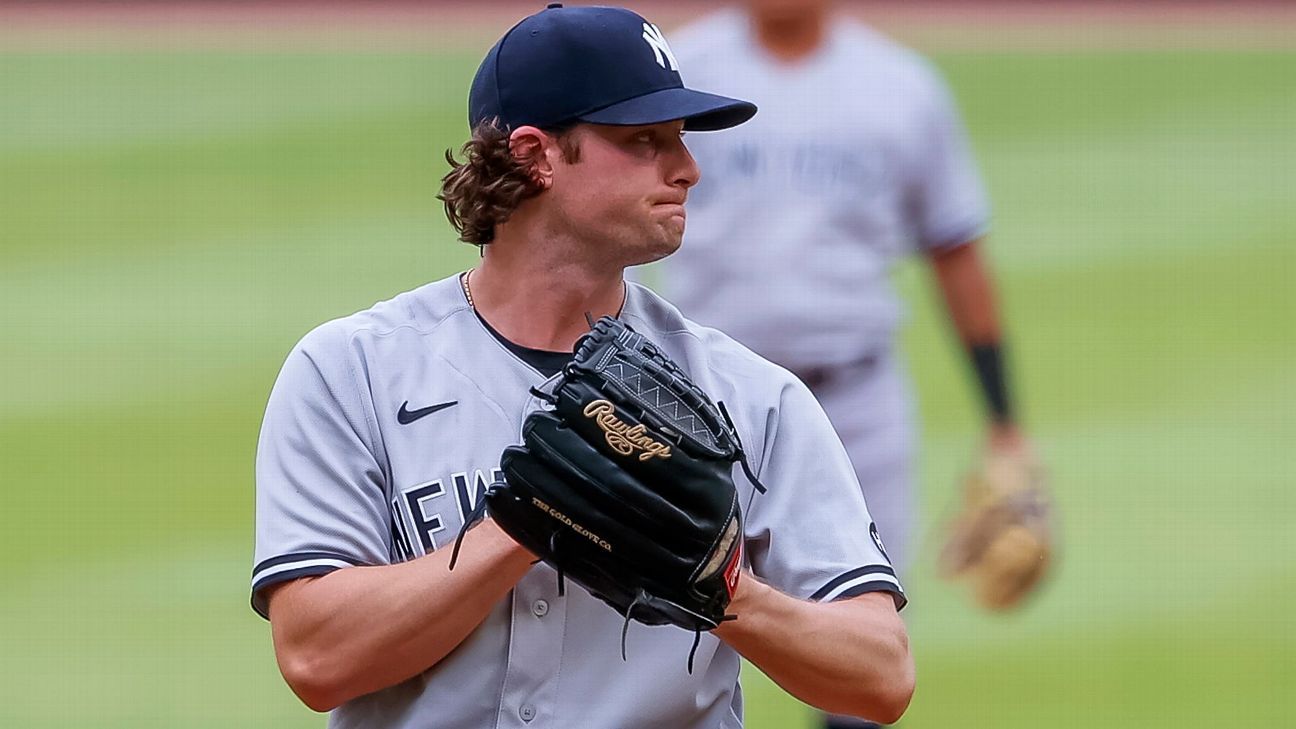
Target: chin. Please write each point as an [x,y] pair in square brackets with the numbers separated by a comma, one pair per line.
[671,244]
[656,251]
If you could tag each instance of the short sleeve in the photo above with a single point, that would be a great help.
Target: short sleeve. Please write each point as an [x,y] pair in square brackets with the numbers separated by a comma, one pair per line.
[319,486]
[947,195]
[810,535]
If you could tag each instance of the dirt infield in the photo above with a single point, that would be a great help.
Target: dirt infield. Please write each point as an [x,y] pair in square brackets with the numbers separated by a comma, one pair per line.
[406,26]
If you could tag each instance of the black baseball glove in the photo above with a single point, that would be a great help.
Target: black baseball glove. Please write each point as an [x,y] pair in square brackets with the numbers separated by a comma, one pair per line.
[625,486]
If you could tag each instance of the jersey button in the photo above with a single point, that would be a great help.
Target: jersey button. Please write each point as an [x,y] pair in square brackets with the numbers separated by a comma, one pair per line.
[527,712]
[540,608]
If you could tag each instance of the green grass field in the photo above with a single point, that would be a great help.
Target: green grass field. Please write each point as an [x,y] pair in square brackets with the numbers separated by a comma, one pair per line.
[170,223]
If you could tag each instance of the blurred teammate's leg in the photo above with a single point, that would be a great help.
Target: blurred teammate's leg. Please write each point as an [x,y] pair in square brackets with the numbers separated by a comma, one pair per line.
[870,406]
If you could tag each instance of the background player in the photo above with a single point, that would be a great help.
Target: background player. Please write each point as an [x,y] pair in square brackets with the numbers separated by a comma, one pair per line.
[384,428]
[857,158]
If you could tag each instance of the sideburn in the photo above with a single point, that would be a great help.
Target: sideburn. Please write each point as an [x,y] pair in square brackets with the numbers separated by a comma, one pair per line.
[569,147]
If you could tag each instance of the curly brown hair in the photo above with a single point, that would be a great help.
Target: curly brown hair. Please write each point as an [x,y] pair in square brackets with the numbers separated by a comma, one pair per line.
[488,185]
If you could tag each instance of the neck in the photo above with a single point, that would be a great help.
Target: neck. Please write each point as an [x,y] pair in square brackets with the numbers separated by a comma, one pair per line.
[536,293]
[791,37]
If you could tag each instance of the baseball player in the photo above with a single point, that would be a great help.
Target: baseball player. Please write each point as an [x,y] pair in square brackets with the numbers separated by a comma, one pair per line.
[385,428]
[858,157]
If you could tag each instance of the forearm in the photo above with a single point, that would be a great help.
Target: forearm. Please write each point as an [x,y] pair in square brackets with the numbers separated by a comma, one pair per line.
[848,657]
[361,629]
[968,291]
[969,297]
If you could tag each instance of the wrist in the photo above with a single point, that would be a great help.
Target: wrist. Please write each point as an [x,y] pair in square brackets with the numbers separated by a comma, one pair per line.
[992,377]
[746,604]
[1006,433]
[1007,439]
[498,541]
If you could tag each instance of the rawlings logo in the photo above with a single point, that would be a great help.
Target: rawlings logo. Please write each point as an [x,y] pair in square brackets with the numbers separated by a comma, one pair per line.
[623,438]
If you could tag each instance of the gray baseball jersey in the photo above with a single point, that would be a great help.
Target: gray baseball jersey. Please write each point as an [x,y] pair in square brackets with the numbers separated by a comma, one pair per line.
[385,427]
[858,156]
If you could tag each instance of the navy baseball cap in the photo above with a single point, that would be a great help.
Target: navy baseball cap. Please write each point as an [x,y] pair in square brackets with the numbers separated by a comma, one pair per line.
[591,64]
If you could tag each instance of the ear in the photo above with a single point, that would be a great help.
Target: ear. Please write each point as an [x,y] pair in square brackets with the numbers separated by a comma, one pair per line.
[531,147]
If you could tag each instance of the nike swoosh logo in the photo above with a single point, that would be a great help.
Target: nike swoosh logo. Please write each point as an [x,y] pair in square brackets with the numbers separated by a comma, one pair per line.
[405,416]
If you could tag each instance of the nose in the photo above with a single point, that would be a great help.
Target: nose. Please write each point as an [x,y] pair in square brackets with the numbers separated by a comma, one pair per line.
[685,172]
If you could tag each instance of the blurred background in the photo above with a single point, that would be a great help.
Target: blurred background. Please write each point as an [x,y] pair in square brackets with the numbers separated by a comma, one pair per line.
[187,188]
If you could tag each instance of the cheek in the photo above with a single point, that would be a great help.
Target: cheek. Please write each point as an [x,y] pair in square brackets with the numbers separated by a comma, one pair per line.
[598,197]
[606,190]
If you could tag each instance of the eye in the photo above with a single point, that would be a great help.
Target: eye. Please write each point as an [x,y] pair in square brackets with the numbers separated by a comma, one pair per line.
[646,137]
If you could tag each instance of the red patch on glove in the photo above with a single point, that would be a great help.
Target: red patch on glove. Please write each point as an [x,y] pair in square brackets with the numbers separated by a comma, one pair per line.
[733,569]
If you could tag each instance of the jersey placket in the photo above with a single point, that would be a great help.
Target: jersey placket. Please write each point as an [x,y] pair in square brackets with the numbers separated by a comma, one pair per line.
[535,652]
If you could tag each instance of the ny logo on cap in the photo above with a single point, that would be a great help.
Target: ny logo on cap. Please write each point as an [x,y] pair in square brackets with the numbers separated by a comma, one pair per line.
[661,49]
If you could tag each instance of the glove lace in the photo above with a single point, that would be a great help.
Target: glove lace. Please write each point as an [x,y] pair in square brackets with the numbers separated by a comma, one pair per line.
[541,394]
[553,549]
[742,452]
[625,627]
[477,514]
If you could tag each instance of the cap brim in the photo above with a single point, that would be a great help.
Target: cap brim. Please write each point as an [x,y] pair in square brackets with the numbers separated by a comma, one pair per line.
[701,112]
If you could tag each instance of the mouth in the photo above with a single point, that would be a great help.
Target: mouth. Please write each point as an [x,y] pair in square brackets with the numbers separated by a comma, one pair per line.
[671,208]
